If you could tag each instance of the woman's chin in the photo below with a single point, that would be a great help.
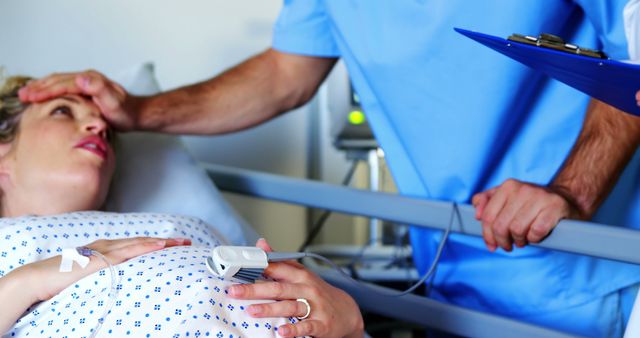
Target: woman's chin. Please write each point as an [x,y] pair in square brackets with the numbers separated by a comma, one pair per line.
[86,190]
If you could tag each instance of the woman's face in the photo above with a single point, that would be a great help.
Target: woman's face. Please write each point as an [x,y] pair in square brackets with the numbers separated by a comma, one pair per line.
[61,159]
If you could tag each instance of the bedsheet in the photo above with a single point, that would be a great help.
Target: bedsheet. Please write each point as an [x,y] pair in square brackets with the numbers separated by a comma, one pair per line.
[167,293]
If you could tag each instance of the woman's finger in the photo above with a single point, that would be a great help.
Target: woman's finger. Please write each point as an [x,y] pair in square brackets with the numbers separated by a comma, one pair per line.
[311,328]
[105,245]
[169,242]
[268,290]
[135,250]
[291,272]
[283,308]
[262,244]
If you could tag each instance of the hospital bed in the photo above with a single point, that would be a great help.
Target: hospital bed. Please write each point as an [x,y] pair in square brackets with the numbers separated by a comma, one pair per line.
[569,236]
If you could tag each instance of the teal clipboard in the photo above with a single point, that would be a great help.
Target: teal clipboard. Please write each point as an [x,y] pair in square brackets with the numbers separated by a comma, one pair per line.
[610,81]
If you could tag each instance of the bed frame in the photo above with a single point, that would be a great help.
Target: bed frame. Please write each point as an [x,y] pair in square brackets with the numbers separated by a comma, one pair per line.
[570,236]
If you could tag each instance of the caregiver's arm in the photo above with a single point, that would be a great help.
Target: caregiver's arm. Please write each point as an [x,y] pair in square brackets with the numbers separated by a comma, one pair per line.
[248,94]
[519,212]
[41,280]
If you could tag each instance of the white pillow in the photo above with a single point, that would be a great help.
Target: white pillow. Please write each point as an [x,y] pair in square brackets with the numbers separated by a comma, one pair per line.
[155,173]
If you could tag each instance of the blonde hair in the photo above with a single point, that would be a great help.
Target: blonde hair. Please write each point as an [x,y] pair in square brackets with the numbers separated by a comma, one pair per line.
[11,108]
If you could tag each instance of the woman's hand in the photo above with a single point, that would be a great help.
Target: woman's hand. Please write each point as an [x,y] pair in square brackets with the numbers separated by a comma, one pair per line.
[41,280]
[333,312]
[116,251]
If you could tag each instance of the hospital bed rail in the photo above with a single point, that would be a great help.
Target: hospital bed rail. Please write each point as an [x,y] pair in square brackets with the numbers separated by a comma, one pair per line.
[570,236]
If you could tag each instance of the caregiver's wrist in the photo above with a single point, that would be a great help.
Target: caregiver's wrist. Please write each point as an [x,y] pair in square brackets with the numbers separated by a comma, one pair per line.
[133,108]
[578,208]
[147,113]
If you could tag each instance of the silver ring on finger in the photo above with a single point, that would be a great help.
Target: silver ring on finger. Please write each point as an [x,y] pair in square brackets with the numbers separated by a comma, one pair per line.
[305,302]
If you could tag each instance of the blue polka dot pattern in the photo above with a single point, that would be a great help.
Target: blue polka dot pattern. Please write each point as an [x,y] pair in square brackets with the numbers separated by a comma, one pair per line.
[167,293]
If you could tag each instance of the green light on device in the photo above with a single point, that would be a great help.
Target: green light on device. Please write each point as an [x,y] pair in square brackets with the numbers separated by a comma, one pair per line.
[356,117]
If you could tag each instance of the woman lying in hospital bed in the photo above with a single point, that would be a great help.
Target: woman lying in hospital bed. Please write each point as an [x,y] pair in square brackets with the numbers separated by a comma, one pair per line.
[56,159]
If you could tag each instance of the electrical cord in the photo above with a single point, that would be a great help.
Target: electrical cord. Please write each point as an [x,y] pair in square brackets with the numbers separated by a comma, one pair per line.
[429,285]
[282,256]
[317,226]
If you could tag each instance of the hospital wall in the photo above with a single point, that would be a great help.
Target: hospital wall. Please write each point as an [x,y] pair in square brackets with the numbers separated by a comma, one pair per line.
[188,41]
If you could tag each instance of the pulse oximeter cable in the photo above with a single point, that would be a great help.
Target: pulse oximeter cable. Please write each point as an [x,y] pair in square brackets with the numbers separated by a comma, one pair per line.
[246,264]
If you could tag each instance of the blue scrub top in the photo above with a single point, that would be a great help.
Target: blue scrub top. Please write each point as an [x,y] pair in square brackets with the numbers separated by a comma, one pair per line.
[455,118]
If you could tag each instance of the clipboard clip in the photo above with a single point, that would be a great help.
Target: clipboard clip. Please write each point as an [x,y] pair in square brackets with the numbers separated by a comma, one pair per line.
[557,43]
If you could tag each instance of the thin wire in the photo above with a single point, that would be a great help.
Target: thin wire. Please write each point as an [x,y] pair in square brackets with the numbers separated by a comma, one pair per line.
[317,226]
[113,293]
[427,275]
[429,285]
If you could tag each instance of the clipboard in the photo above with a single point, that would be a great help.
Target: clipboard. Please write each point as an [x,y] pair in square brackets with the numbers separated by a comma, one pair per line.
[610,81]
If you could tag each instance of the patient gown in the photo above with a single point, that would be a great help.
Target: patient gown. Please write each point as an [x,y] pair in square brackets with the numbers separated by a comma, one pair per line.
[167,293]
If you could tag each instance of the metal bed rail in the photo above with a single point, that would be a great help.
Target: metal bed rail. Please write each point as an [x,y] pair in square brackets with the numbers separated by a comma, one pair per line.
[570,236]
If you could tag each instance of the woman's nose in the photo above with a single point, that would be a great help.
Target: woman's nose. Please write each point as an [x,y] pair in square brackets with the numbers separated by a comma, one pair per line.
[97,125]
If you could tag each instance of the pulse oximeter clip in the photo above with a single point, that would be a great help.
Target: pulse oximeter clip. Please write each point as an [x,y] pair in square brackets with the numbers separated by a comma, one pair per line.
[244,264]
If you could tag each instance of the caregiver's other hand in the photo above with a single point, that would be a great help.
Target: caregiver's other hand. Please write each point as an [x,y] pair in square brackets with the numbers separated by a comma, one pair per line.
[638,97]
[333,312]
[518,213]
[116,251]
[117,106]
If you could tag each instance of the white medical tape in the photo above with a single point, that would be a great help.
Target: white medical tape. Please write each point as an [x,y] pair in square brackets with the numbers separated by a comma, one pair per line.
[71,255]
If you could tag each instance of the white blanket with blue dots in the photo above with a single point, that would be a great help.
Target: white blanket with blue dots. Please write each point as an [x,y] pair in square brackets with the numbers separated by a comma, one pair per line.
[167,293]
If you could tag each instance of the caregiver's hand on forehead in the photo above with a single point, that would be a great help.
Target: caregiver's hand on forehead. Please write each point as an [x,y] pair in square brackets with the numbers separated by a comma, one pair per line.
[117,106]
[519,213]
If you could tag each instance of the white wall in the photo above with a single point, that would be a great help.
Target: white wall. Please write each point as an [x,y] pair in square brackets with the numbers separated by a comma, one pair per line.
[188,41]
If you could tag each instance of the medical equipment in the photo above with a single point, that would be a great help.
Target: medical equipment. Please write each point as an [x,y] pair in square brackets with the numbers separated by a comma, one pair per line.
[240,264]
[246,264]
[81,256]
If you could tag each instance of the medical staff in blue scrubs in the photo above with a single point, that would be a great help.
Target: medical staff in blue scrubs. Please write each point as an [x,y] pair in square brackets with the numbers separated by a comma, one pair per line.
[454,119]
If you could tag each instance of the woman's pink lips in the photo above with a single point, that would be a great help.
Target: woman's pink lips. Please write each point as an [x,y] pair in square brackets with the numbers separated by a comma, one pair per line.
[94,144]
